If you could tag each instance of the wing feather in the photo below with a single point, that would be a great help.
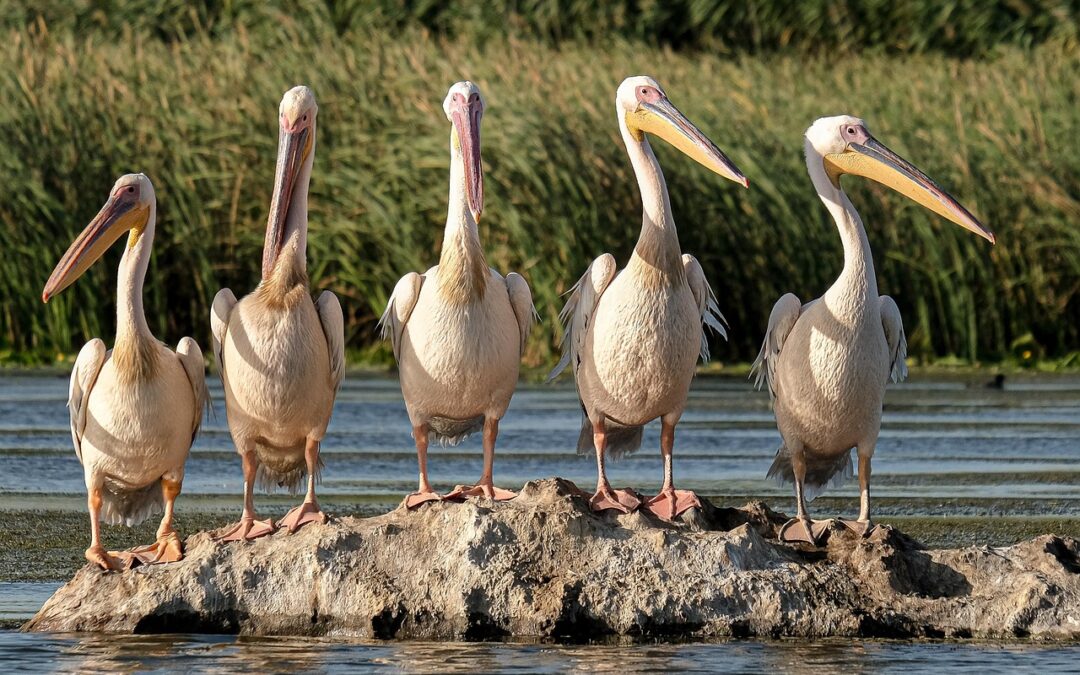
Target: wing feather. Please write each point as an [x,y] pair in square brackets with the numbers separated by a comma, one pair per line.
[399,308]
[223,305]
[577,314]
[782,319]
[708,309]
[521,300]
[191,358]
[83,376]
[894,335]
[333,325]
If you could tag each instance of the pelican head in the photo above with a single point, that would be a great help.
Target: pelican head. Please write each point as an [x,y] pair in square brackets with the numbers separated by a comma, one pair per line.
[296,142]
[464,106]
[845,146]
[127,210]
[645,108]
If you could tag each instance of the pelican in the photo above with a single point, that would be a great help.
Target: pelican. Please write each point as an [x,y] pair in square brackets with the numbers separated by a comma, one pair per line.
[281,356]
[135,409]
[827,362]
[458,330]
[634,337]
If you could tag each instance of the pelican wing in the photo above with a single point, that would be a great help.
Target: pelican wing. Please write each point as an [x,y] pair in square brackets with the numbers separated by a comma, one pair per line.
[400,307]
[577,314]
[191,359]
[894,335]
[711,318]
[333,325]
[83,376]
[521,301]
[224,302]
[782,319]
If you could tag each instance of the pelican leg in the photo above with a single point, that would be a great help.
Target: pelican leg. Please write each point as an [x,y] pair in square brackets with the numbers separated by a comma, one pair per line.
[606,497]
[801,528]
[486,486]
[248,527]
[670,502]
[424,493]
[97,554]
[167,548]
[863,526]
[309,511]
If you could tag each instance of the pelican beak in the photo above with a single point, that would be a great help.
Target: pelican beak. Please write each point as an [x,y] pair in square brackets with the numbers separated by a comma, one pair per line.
[465,116]
[294,147]
[661,118]
[873,160]
[119,215]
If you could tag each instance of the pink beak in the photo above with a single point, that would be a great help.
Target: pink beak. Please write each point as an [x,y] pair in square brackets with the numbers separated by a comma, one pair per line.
[465,116]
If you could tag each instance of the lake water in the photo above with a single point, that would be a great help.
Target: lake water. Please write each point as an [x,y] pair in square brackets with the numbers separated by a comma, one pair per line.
[951,449]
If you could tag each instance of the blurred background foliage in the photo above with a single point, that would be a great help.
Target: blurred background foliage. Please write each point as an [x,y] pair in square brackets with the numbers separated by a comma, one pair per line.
[984,96]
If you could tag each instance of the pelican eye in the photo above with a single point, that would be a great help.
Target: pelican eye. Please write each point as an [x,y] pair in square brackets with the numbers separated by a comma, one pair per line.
[131,188]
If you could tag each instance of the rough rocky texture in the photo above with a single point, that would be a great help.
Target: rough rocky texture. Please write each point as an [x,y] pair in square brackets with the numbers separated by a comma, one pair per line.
[545,565]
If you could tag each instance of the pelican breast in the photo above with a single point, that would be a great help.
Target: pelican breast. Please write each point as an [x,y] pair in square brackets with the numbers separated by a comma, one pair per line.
[640,350]
[460,359]
[832,374]
[126,437]
[277,370]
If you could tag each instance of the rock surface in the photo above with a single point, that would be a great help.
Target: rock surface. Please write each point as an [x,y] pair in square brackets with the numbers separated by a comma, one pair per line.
[545,565]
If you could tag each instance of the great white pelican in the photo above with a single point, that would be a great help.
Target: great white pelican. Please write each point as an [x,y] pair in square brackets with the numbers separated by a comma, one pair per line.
[827,362]
[458,330]
[135,409]
[281,356]
[633,338]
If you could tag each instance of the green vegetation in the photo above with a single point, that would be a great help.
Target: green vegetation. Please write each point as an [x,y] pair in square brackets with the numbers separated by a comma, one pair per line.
[189,96]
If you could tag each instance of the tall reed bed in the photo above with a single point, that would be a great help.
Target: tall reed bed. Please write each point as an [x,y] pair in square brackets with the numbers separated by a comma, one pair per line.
[958,27]
[198,115]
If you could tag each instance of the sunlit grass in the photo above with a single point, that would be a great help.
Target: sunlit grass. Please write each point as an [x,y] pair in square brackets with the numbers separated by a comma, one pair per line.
[198,115]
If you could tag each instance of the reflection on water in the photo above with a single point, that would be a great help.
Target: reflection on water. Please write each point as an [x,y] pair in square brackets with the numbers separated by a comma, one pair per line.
[941,440]
[183,653]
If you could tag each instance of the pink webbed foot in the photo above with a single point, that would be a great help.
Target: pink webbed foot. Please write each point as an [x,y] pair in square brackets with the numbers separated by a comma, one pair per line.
[166,549]
[419,498]
[863,528]
[247,529]
[671,503]
[804,531]
[480,490]
[308,512]
[624,501]
[97,555]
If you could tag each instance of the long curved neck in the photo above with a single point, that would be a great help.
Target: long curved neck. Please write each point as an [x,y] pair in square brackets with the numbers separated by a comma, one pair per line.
[133,351]
[290,268]
[852,291]
[463,271]
[657,252]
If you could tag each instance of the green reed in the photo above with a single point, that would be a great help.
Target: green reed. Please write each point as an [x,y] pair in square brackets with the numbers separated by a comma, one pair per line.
[197,112]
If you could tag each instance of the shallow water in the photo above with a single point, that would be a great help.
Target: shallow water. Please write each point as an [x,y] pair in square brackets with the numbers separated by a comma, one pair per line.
[954,457]
[187,653]
[940,438]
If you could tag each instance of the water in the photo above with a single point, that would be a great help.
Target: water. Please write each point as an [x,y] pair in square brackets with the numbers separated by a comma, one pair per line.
[950,448]
[940,438]
[187,653]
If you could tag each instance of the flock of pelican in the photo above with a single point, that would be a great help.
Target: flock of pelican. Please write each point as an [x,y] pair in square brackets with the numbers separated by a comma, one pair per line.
[632,338]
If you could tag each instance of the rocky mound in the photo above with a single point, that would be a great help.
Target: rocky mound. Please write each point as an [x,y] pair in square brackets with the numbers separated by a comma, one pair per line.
[544,565]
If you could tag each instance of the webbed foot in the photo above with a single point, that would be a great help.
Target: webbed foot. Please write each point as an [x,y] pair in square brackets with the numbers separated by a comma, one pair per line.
[671,503]
[803,530]
[625,501]
[863,528]
[247,529]
[480,490]
[308,512]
